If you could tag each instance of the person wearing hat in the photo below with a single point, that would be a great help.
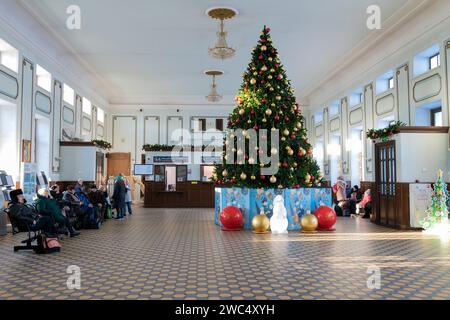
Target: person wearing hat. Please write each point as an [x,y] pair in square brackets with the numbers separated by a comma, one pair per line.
[47,206]
[23,213]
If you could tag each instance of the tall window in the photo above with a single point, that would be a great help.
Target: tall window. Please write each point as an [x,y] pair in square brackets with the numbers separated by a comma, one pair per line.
[9,56]
[44,78]
[436,117]
[8,139]
[391,83]
[434,61]
[87,106]
[100,115]
[68,95]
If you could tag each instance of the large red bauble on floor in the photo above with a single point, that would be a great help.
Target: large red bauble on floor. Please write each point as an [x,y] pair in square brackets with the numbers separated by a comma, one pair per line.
[326,217]
[231,219]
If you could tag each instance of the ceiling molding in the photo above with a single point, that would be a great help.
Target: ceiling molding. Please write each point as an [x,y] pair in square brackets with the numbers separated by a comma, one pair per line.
[32,10]
[411,9]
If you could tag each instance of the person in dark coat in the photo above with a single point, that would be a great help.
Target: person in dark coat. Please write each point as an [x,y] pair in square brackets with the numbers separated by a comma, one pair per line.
[119,197]
[23,214]
[46,206]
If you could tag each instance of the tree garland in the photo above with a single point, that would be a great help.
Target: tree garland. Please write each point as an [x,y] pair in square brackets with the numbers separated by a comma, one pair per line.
[102,144]
[386,133]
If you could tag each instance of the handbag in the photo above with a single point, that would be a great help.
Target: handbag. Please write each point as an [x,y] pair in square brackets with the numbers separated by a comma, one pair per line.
[47,245]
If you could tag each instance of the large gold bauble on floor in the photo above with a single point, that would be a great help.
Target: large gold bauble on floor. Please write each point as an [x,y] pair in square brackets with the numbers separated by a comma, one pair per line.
[260,223]
[309,223]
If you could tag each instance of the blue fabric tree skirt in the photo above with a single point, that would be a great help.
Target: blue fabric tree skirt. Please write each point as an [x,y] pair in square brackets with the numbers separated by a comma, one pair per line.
[297,202]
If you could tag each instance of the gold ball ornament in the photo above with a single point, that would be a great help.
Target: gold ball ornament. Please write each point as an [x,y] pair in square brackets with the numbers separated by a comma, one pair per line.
[291,152]
[253,81]
[249,121]
[264,120]
[283,138]
[260,223]
[268,112]
[299,125]
[269,77]
[273,179]
[286,132]
[273,151]
[270,59]
[225,173]
[263,48]
[273,105]
[307,178]
[309,223]
[264,68]
[241,112]
[243,176]
[278,98]
[253,178]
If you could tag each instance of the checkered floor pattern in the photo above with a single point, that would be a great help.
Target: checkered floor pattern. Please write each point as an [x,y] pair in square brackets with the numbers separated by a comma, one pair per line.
[181,254]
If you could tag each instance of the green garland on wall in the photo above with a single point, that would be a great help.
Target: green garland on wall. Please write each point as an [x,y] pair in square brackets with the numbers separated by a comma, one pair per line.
[102,144]
[385,133]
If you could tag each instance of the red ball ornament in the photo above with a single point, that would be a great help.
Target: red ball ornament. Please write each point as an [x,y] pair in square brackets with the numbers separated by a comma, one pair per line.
[267,29]
[263,177]
[297,186]
[293,136]
[285,164]
[326,217]
[300,154]
[252,111]
[277,118]
[286,118]
[263,40]
[255,127]
[231,219]
[263,100]
[261,57]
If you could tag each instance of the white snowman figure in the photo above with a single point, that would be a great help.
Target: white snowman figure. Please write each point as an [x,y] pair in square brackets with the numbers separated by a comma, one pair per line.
[279,222]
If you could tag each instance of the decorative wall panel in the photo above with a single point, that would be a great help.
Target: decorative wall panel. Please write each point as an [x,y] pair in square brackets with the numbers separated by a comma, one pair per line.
[43,102]
[356,116]
[385,104]
[427,88]
[8,85]
[335,124]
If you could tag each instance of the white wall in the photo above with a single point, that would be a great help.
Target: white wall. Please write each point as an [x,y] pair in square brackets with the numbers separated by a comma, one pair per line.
[394,51]
[163,113]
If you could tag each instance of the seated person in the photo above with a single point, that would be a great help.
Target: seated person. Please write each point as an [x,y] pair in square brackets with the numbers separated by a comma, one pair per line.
[366,204]
[95,196]
[340,190]
[55,193]
[87,207]
[70,197]
[356,194]
[21,212]
[47,206]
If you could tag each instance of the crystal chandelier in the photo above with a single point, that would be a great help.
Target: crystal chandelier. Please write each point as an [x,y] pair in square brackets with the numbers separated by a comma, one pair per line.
[214,96]
[221,50]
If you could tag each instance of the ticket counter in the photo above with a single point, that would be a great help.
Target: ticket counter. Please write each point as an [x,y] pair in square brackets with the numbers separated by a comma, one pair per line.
[179,182]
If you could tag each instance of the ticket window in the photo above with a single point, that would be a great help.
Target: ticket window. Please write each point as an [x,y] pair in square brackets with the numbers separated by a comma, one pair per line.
[207,173]
[171,175]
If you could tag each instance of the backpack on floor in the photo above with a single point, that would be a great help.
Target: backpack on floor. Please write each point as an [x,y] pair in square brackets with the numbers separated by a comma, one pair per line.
[47,245]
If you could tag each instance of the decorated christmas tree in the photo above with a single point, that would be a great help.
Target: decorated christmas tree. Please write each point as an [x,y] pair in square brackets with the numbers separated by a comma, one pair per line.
[266,101]
[437,212]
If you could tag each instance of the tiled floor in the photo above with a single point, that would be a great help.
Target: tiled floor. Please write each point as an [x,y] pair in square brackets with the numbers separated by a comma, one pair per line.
[181,254]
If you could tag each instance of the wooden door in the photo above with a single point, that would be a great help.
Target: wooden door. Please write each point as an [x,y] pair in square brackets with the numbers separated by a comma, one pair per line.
[119,162]
[385,179]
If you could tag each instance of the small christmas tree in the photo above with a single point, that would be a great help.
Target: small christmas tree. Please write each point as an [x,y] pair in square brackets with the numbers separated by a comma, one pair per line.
[437,212]
[266,101]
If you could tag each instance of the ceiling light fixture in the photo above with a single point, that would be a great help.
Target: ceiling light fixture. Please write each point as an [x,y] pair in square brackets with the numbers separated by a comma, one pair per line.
[213,95]
[221,50]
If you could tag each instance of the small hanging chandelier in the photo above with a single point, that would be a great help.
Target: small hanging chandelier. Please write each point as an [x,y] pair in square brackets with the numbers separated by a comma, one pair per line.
[221,50]
[214,96]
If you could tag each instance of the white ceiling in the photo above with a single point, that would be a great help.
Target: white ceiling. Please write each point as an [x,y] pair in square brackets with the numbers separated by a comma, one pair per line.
[148,51]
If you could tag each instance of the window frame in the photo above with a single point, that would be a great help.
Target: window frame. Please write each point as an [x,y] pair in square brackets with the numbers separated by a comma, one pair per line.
[438,61]
[389,83]
[433,113]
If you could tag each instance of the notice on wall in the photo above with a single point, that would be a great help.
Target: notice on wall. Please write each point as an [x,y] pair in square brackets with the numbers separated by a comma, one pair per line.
[419,201]
[28,180]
